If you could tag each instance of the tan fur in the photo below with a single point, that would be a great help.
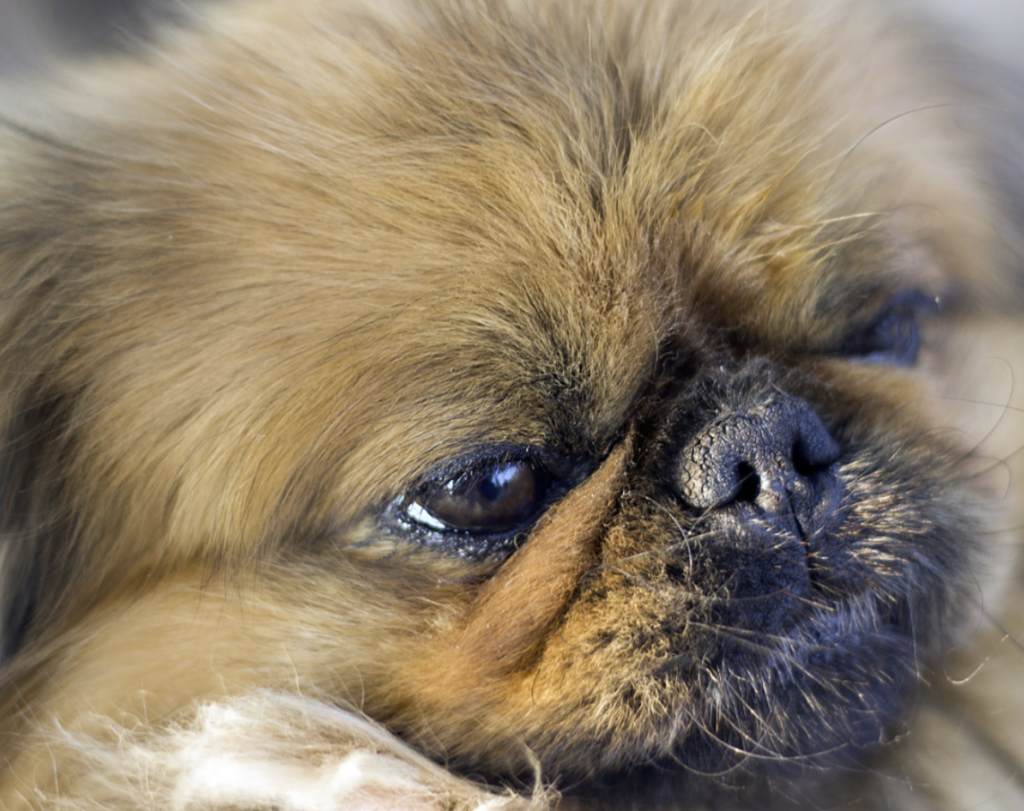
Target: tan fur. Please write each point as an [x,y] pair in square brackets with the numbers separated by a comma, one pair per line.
[263,277]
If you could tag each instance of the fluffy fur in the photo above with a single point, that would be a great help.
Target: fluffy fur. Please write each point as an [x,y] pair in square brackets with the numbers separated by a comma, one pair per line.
[734,286]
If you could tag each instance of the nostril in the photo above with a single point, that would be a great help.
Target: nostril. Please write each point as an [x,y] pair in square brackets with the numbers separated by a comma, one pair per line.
[801,464]
[813,449]
[749,482]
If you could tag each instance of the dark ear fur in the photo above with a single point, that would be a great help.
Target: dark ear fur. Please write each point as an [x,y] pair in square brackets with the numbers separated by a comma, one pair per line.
[33,520]
[37,524]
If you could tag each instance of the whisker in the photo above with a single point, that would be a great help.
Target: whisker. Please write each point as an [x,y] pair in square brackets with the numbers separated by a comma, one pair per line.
[923,108]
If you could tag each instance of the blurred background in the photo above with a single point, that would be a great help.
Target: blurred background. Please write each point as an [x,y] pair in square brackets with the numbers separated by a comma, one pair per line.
[998,25]
[29,29]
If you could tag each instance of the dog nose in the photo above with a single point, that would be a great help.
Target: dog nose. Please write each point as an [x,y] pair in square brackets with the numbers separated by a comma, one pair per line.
[774,454]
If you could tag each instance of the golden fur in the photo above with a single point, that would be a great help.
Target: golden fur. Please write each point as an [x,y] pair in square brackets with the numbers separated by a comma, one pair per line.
[274,277]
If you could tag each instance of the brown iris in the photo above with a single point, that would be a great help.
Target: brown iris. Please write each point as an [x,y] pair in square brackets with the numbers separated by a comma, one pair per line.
[496,498]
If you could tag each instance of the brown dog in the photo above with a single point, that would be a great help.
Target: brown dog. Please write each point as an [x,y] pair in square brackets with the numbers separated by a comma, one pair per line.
[609,398]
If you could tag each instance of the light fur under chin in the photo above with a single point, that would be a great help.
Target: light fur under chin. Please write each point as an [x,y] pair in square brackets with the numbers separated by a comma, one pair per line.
[263,750]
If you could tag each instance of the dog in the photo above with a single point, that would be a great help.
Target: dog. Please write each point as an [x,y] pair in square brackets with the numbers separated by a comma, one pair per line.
[513,404]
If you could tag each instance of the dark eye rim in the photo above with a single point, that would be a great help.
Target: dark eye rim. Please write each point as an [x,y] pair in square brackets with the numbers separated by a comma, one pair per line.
[562,471]
[867,343]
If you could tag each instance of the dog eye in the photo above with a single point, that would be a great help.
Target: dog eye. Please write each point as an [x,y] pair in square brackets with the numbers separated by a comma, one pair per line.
[893,336]
[494,498]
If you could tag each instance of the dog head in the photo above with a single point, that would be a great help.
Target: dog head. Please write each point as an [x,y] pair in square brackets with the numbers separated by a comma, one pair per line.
[569,382]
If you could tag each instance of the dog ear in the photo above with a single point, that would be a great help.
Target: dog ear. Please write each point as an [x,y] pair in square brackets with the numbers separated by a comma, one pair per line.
[17,594]
[32,520]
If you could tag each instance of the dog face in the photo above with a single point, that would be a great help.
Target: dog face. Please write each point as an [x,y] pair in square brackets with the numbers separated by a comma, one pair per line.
[572,385]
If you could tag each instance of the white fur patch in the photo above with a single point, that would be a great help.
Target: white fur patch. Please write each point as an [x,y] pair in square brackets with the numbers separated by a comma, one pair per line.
[268,750]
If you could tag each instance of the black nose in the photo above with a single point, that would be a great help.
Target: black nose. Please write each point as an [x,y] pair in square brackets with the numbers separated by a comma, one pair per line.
[774,453]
